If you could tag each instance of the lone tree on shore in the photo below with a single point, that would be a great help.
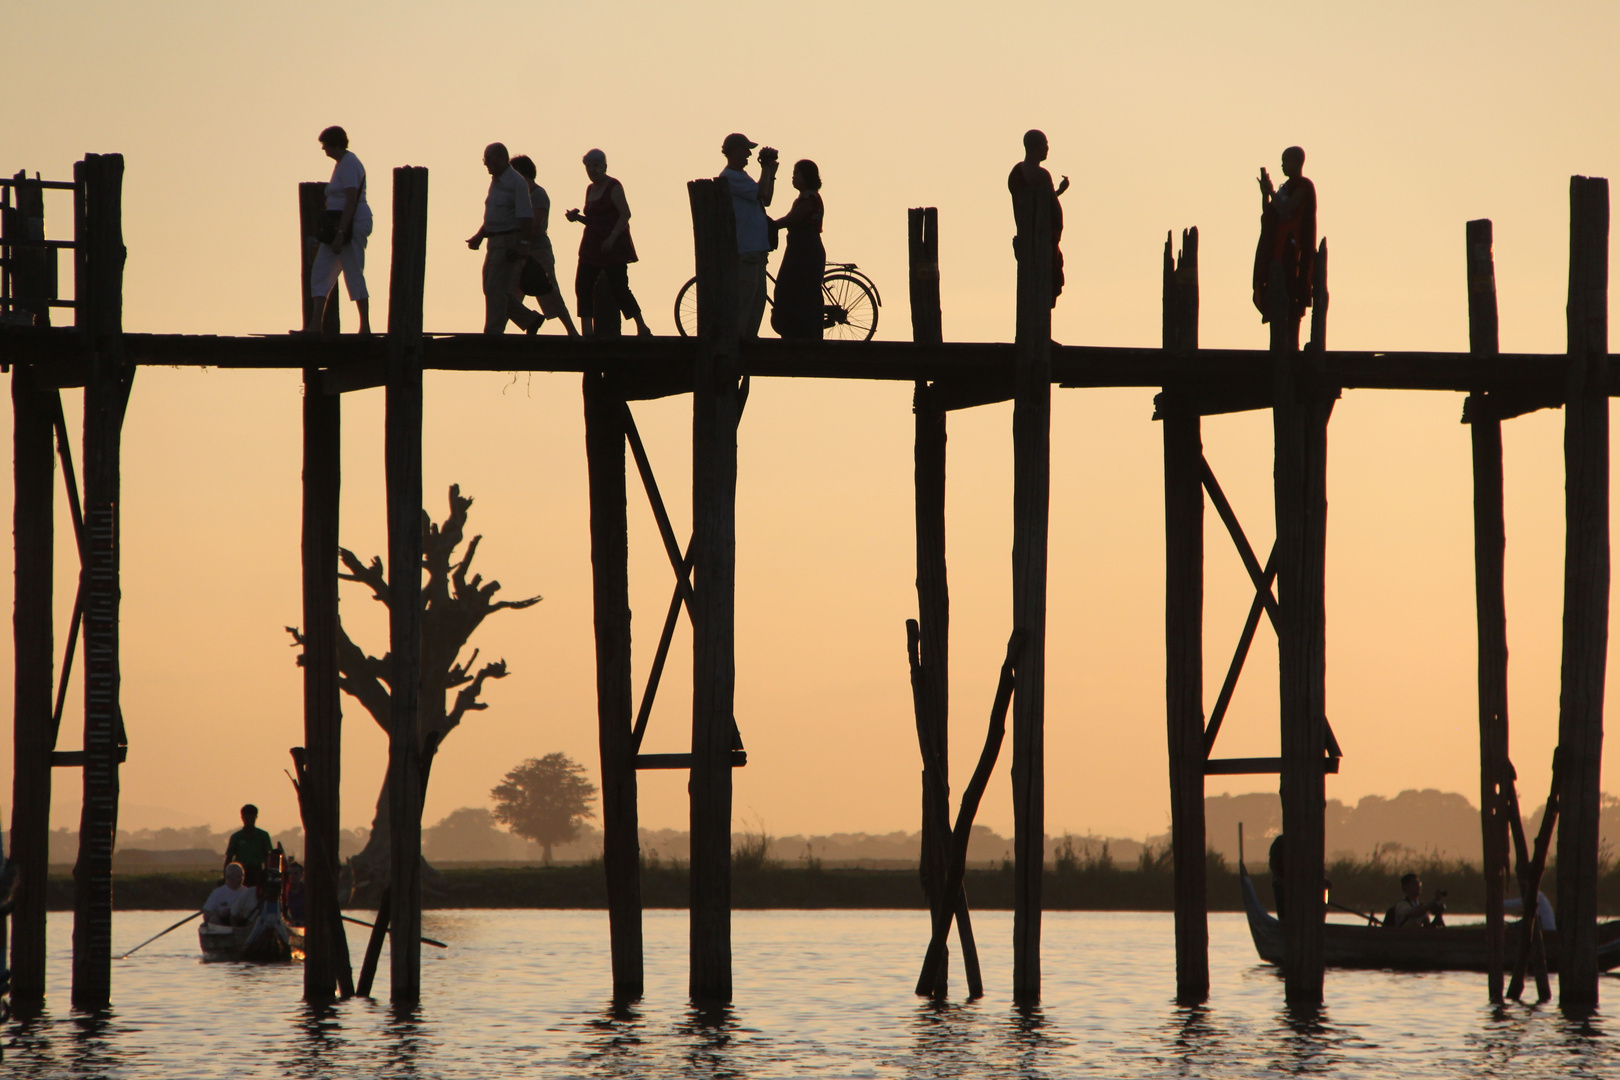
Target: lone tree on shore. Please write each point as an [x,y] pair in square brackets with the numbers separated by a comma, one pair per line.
[545,800]
[453,607]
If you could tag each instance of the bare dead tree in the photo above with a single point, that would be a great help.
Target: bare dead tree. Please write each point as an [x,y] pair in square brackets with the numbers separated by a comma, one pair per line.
[453,607]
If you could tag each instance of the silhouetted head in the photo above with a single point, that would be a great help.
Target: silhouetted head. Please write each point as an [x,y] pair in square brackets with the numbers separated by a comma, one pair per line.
[1035,145]
[595,164]
[295,873]
[233,875]
[496,159]
[250,814]
[1293,160]
[334,142]
[806,175]
[523,165]
[1412,886]
[738,148]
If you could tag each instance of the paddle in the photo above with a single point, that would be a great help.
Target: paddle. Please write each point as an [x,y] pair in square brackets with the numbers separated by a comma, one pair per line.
[372,926]
[154,937]
[1372,920]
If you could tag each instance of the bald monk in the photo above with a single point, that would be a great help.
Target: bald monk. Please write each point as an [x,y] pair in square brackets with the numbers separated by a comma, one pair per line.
[1029,174]
[1287,236]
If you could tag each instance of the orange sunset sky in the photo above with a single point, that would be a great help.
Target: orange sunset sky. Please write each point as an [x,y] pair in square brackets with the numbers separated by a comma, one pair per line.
[1415,119]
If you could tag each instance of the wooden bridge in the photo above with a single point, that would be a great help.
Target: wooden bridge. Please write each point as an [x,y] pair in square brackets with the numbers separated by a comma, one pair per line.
[1299,385]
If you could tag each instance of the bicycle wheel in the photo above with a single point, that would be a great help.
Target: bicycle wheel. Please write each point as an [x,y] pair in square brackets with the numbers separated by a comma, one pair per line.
[849,311]
[686,308]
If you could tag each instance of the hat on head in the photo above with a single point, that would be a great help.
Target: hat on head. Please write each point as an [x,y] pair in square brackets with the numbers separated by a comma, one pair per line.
[737,141]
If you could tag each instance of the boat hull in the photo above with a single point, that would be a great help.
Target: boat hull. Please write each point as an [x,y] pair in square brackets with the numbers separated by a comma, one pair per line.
[1452,948]
[269,940]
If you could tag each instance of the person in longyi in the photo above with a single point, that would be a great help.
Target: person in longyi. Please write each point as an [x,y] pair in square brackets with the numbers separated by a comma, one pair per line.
[249,846]
[1287,245]
[797,311]
[1028,174]
[539,275]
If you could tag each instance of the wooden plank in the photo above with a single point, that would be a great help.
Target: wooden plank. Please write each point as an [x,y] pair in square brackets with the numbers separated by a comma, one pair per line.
[610,592]
[33,734]
[1258,766]
[1586,591]
[99,286]
[716,407]
[1300,414]
[739,758]
[1490,545]
[1032,421]
[403,463]
[1184,636]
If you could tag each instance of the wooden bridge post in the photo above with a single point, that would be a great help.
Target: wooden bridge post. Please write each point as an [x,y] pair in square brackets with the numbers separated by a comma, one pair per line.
[404,470]
[100,292]
[1490,545]
[326,947]
[34,735]
[1301,405]
[1032,423]
[1184,628]
[1586,590]
[716,406]
[610,578]
[933,586]
[34,478]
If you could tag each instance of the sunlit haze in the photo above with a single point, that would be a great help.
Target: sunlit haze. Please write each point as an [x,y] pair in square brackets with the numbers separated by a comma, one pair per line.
[1415,119]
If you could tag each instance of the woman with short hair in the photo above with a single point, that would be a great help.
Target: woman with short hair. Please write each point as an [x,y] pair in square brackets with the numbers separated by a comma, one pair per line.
[606,250]
[341,234]
[539,276]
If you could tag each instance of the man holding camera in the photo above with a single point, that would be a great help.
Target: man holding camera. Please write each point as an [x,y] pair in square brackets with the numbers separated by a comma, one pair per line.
[1410,910]
[749,199]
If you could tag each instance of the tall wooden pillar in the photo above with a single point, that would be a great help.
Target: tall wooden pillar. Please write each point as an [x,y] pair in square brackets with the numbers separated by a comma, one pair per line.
[1586,590]
[610,580]
[933,587]
[326,946]
[1490,546]
[1301,405]
[100,279]
[715,410]
[1032,423]
[404,470]
[1184,628]
[34,477]
[34,735]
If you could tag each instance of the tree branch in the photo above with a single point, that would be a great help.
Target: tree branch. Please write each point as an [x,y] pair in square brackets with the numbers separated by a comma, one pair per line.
[467,699]
[371,576]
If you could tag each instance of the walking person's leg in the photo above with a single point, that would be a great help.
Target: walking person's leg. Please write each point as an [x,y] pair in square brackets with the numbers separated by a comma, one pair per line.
[354,279]
[584,290]
[619,278]
[494,286]
[751,286]
[322,276]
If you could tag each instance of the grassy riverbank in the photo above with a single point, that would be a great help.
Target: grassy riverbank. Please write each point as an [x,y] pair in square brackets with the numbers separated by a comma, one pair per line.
[1096,884]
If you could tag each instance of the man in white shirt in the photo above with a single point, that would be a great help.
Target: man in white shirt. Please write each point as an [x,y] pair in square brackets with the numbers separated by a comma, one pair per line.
[509,226]
[749,199]
[232,904]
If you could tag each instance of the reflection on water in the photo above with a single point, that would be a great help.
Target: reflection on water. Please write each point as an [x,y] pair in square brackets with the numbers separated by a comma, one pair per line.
[819,994]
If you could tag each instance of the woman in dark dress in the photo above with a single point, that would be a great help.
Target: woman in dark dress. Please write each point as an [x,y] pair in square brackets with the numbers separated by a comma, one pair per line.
[797,311]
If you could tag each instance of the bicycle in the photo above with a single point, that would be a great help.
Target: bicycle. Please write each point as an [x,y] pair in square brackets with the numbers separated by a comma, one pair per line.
[849,310]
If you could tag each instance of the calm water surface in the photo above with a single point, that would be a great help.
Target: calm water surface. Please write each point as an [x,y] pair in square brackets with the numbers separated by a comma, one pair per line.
[818,994]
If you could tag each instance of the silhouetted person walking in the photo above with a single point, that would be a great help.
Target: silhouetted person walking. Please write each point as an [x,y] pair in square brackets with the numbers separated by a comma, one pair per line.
[1287,237]
[606,250]
[749,199]
[539,276]
[1030,174]
[797,312]
[508,225]
[345,223]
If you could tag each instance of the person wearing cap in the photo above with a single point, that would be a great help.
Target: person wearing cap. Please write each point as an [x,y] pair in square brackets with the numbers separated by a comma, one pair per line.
[508,225]
[749,199]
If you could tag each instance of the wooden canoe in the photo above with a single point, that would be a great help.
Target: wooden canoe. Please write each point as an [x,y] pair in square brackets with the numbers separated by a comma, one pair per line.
[267,940]
[1452,948]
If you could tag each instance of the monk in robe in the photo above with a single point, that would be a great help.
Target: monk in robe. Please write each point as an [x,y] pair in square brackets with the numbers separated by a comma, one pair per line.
[1287,236]
[1029,174]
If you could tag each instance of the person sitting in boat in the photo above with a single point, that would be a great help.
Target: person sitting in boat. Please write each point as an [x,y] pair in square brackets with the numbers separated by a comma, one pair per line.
[1514,905]
[250,846]
[294,907]
[233,903]
[1410,909]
